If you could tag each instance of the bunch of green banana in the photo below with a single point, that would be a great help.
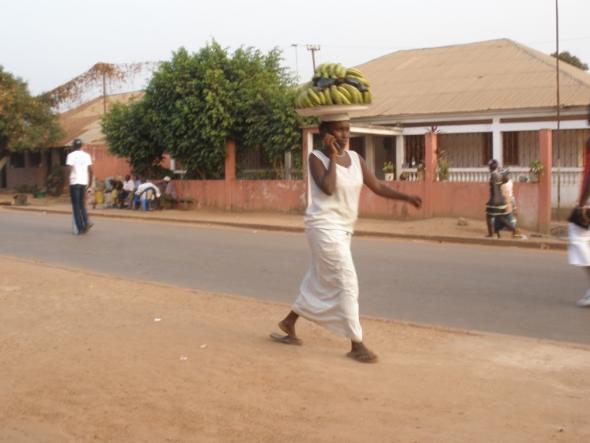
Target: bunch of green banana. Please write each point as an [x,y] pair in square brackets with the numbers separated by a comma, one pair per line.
[330,70]
[333,84]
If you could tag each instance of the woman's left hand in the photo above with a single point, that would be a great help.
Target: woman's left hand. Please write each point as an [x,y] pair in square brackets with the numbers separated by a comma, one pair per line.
[415,201]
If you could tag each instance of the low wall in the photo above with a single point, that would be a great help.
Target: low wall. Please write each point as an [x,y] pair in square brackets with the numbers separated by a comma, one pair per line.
[106,164]
[444,199]
[245,195]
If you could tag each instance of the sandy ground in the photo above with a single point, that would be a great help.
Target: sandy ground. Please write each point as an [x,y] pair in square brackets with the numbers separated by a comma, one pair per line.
[89,357]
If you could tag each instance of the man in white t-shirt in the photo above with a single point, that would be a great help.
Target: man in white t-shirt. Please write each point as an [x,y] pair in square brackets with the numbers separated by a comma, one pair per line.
[79,165]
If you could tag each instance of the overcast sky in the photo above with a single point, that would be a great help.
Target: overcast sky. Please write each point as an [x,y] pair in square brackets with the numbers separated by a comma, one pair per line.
[47,42]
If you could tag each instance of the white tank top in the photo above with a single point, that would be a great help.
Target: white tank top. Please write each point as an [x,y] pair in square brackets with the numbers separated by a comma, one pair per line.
[339,210]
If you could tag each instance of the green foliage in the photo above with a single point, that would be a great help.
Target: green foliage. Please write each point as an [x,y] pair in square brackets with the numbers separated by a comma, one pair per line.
[388,167]
[130,133]
[537,168]
[26,122]
[55,181]
[195,102]
[571,59]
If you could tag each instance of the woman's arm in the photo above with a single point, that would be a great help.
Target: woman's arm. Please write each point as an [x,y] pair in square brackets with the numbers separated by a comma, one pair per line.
[383,190]
[325,178]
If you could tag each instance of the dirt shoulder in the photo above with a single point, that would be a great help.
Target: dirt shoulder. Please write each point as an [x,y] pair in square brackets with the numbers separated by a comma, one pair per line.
[91,357]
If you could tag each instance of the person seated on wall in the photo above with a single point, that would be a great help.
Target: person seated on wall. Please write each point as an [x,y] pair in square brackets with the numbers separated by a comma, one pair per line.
[169,196]
[108,189]
[116,192]
[127,189]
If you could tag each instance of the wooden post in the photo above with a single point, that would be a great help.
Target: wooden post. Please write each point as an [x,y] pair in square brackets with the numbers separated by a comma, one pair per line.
[546,158]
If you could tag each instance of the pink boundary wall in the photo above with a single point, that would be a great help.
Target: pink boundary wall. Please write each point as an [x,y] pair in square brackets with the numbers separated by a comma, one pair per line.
[441,199]
[447,199]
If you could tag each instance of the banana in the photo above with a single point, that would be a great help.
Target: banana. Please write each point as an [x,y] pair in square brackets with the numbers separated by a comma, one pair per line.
[305,101]
[298,100]
[348,86]
[340,71]
[356,95]
[338,97]
[321,96]
[328,96]
[345,92]
[362,80]
[313,97]
[354,73]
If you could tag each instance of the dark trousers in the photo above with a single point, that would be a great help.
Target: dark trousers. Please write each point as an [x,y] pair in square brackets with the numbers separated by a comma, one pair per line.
[77,195]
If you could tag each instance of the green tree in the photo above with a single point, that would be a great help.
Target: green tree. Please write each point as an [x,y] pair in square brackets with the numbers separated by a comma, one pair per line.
[26,122]
[195,102]
[129,133]
[571,59]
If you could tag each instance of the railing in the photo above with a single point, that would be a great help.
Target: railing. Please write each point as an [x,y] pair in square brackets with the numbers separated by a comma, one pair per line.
[569,176]
[411,175]
[469,174]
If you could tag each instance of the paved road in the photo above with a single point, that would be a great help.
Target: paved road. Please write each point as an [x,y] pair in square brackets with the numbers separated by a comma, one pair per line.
[505,290]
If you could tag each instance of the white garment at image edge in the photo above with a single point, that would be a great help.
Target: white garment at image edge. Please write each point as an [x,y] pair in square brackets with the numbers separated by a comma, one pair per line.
[579,245]
[329,292]
[79,161]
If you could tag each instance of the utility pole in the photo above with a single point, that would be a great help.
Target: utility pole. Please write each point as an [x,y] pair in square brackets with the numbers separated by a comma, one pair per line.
[296,46]
[312,49]
[104,92]
[558,108]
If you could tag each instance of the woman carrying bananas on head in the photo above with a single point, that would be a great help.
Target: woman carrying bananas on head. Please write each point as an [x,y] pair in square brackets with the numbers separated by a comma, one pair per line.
[328,294]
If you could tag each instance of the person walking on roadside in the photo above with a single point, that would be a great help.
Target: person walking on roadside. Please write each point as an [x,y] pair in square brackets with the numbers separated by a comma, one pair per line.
[579,226]
[328,294]
[79,164]
[507,191]
[496,207]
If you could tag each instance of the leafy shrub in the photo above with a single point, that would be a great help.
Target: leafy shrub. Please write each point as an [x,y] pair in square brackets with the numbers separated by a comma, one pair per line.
[55,181]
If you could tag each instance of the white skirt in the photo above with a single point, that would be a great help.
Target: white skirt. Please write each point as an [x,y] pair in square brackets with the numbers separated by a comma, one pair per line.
[579,245]
[329,292]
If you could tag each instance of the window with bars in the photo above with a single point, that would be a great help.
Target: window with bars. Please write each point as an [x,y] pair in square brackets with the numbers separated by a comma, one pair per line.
[487,147]
[510,148]
[415,148]
[17,159]
[34,159]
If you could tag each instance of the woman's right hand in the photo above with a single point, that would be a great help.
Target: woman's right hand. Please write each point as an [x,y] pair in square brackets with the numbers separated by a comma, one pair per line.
[330,144]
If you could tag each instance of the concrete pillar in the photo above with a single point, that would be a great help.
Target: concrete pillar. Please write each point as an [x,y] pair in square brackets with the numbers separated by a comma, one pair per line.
[430,157]
[400,155]
[230,160]
[546,158]
[230,171]
[430,166]
[497,146]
